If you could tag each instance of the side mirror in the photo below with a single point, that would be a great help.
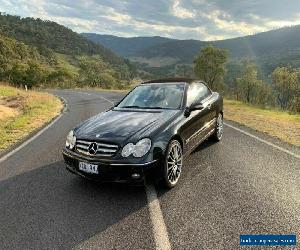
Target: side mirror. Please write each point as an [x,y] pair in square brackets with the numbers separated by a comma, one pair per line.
[196,106]
[193,107]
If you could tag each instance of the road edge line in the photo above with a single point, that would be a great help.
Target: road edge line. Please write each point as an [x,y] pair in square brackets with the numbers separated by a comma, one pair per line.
[25,143]
[106,99]
[102,97]
[160,232]
[264,141]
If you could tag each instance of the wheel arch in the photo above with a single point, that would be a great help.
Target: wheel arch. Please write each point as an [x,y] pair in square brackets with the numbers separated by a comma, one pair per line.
[179,139]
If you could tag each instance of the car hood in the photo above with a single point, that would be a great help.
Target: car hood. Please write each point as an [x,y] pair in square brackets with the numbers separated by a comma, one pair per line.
[120,125]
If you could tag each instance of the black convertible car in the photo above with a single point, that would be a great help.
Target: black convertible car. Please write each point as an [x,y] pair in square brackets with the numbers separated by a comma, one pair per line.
[150,130]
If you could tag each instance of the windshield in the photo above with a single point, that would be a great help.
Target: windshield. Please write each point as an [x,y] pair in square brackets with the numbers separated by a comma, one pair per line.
[156,96]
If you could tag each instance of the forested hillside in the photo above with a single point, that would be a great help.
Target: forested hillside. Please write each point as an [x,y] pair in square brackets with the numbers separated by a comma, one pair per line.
[37,52]
[18,60]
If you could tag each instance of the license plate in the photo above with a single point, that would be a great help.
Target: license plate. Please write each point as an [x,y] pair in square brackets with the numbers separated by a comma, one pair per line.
[88,168]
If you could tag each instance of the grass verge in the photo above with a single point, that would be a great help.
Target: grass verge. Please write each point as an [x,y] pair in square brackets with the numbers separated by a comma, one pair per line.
[279,124]
[22,112]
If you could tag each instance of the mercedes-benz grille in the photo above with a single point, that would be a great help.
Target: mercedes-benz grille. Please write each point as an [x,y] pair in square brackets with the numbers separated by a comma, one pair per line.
[96,148]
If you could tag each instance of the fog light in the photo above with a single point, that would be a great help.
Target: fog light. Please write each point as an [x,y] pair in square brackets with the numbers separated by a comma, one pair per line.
[135,176]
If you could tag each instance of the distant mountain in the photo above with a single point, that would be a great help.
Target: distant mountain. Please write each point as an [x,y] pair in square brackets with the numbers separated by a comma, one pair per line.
[126,46]
[270,42]
[269,49]
[266,43]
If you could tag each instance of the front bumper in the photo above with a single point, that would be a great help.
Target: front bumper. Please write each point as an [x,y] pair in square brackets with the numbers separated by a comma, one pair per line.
[109,171]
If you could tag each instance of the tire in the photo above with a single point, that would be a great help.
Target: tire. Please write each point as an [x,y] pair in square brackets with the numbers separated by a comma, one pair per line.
[218,134]
[172,164]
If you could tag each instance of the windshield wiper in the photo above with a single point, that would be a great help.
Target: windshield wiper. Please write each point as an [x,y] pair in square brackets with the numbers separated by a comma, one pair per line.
[138,107]
[154,108]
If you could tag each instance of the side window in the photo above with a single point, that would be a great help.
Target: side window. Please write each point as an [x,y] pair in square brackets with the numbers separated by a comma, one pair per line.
[197,92]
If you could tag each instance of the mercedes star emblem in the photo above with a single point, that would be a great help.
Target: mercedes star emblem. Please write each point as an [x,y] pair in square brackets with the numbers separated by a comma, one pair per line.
[93,148]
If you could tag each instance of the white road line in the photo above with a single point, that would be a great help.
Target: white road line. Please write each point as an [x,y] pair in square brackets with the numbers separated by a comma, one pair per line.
[106,99]
[161,237]
[102,97]
[160,232]
[264,141]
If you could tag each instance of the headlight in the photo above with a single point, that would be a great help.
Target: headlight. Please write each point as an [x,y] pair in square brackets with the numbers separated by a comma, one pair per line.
[142,147]
[71,140]
[138,150]
[128,150]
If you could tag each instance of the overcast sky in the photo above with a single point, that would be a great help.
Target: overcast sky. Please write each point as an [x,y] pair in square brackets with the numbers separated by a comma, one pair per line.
[183,19]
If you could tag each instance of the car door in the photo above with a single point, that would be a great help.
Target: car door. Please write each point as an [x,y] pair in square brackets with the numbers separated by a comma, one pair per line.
[210,104]
[196,125]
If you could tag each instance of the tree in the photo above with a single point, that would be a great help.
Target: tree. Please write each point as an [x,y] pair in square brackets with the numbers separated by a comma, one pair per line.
[285,81]
[17,73]
[62,76]
[233,71]
[250,89]
[35,74]
[295,103]
[248,82]
[210,66]
[95,72]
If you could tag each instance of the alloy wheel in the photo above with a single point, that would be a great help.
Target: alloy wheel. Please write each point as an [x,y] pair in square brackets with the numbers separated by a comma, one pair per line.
[174,163]
[220,127]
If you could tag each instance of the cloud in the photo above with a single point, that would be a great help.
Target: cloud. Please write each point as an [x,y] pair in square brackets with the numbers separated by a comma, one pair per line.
[183,19]
[181,12]
[224,21]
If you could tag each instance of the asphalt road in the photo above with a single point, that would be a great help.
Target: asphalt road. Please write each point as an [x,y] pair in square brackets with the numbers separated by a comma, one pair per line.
[237,186]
